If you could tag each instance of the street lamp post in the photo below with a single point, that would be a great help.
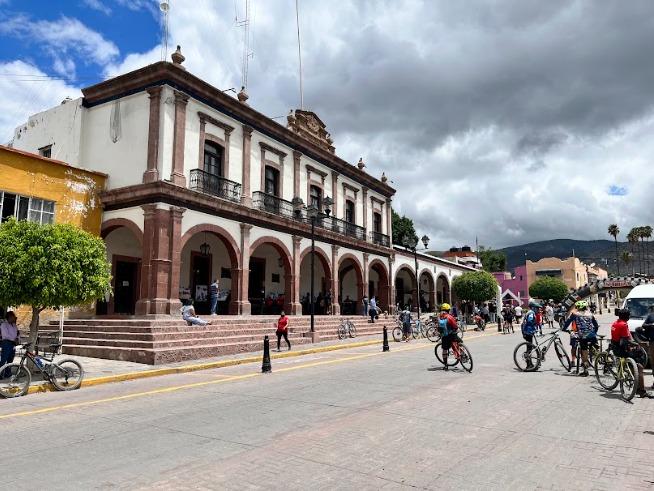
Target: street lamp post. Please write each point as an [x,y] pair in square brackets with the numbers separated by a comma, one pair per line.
[411,243]
[314,214]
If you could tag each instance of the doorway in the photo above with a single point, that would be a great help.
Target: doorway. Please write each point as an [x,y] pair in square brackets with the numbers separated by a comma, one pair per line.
[257,284]
[200,282]
[126,284]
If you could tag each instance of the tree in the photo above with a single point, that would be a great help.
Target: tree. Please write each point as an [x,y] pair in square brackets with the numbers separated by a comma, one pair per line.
[632,237]
[647,234]
[475,286]
[402,227]
[547,287]
[615,231]
[627,257]
[492,261]
[50,266]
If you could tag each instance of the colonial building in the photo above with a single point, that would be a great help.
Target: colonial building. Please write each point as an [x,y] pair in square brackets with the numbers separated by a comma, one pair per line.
[203,186]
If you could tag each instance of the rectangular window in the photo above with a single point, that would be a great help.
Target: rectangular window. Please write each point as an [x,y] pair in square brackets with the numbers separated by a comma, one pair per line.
[26,208]
[46,151]
[315,198]
[272,181]
[377,222]
[349,211]
[213,159]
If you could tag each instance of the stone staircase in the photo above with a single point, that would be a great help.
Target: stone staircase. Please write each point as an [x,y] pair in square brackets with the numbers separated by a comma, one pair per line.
[159,341]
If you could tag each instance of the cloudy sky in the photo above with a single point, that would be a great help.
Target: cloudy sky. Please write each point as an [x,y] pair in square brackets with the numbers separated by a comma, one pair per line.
[515,121]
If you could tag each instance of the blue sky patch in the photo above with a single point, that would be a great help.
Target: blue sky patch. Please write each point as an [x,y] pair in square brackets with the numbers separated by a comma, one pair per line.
[615,190]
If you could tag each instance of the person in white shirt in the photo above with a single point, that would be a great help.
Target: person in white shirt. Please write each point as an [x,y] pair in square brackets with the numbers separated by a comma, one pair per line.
[518,315]
[9,336]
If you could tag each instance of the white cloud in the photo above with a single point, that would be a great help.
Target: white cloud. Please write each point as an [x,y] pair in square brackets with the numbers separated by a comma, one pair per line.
[99,5]
[27,94]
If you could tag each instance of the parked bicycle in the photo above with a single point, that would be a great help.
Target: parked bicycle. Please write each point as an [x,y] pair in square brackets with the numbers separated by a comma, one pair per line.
[611,370]
[347,328]
[15,378]
[528,357]
[461,355]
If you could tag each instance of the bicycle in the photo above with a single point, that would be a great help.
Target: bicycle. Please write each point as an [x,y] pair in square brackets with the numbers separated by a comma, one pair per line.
[461,355]
[431,332]
[617,370]
[506,326]
[529,356]
[347,328]
[15,378]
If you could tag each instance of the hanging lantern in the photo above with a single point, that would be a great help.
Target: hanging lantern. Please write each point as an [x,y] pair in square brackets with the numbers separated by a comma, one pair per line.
[205,248]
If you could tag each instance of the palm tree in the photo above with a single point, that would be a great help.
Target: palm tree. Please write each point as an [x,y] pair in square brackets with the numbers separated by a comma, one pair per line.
[647,234]
[626,259]
[641,237]
[614,230]
[632,237]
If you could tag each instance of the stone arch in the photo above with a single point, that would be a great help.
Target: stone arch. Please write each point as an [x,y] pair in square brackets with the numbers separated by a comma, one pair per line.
[350,263]
[443,291]
[286,258]
[382,290]
[405,286]
[322,283]
[114,223]
[428,291]
[197,270]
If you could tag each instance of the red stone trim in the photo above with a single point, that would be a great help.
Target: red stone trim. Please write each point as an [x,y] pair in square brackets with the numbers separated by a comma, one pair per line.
[287,259]
[167,72]
[405,266]
[358,269]
[279,166]
[204,137]
[246,195]
[314,170]
[326,263]
[349,187]
[179,137]
[152,173]
[229,241]
[115,223]
[268,148]
[376,200]
[297,157]
[225,127]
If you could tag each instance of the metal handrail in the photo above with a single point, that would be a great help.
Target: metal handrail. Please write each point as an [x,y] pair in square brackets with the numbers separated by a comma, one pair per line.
[207,183]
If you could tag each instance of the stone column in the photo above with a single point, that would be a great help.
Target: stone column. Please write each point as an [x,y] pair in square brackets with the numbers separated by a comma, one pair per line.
[244,307]
[391,286]
[246,195]
[179,139]
[335,193]
[389,221]
[151,174]
[366,257]
[296,174]
[160,262]
[336,309]
[365,209]
[296,306]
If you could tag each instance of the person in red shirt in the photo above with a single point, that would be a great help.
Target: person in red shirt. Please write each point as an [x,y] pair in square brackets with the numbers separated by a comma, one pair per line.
[282,330]
[449,328]
[620,339]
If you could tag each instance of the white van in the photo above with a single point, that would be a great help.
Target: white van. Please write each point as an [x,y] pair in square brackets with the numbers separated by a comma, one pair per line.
[639,300]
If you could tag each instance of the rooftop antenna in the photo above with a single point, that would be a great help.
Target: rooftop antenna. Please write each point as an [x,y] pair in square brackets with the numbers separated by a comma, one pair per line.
[164,6]
[247,54]
[299,51]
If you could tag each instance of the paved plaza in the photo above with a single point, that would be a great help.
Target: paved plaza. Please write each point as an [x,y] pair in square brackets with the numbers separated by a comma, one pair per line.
[351,419]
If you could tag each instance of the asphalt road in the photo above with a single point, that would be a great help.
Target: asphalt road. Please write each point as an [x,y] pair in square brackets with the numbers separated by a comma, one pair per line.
[351,419]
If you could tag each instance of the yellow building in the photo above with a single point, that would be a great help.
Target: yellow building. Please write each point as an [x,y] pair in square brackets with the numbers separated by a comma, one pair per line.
[572,271]
[39,189]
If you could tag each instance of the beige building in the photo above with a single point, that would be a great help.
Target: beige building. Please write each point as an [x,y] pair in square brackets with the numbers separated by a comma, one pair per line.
[572,271]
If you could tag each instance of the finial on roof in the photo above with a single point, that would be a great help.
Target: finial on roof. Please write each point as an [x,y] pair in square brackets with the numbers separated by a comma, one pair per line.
[242,96]
[360,164]
[290,118]
[178,57]
[384,179]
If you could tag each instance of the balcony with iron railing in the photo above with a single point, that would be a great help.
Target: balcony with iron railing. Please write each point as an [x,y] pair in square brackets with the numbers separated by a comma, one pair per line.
[380,239]
[214,185]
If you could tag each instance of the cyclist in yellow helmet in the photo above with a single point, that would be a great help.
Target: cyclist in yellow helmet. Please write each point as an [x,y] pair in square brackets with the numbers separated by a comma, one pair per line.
[587,327]
[449,329]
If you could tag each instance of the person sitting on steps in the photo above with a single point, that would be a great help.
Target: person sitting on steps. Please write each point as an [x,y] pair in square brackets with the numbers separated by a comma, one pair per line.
[189,315]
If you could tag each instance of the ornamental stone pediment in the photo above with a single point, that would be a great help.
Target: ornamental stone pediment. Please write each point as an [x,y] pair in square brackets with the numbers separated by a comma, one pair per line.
[308,125]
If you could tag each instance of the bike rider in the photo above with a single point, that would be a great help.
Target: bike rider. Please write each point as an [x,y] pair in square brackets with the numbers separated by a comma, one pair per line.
[529,327]
[587,327]
[449,329]
[620,340]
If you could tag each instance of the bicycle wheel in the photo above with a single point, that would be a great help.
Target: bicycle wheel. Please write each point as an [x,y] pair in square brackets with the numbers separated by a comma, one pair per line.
[629,381]
[66,374]
[562,355]
[14,380]
[352,329]
[397,334]
[451,360]
[341,331]
[432,334]
[465,357]
[415,332]
[605,371]
[526,357]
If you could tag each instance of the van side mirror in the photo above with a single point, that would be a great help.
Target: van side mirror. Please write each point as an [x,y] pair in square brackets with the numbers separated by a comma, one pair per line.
[616,311]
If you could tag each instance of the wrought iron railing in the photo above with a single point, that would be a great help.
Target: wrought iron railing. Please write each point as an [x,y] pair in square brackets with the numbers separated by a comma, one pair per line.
[273,204]
[217,186]
[380,239]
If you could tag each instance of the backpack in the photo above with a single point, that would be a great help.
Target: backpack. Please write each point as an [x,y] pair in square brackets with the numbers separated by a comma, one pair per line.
[585,327]
[442,327]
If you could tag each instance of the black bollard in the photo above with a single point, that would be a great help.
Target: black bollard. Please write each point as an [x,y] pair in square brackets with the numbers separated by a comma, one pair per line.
[266,367]
[385,346]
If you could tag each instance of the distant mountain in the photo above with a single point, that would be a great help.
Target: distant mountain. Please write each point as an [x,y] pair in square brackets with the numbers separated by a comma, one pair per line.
[589,251]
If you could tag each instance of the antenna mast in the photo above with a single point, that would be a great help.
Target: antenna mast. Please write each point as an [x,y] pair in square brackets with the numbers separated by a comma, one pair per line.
[164,6]
[247,54]
[299,51]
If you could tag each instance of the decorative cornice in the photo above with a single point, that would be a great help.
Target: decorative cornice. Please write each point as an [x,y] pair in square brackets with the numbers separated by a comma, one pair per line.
[164,73]
[268,148]
[377,200]
[311,168]
[205,117]
[351,188]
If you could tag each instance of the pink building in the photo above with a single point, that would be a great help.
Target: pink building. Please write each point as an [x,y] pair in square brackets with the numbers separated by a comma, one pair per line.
[515,288]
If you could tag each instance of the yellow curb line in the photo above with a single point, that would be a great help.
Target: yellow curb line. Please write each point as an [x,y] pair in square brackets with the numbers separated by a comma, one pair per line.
[124,377]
